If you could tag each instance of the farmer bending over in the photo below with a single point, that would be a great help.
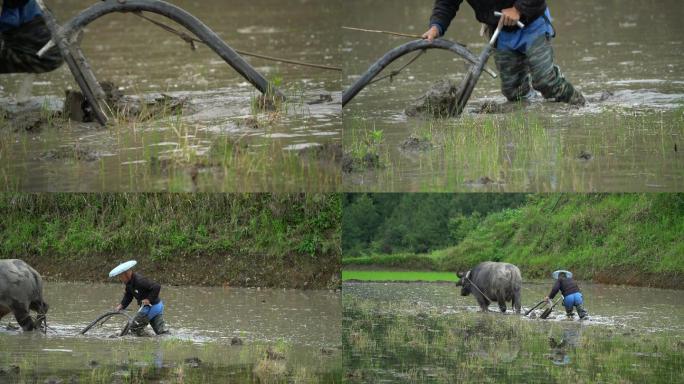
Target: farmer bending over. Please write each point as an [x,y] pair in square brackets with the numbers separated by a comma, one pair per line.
[524,57]
[22,34]
[572,297]
[146,292]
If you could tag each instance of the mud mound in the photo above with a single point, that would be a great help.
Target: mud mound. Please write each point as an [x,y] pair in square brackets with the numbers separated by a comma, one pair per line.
[351,163]
[492,107]
[483,182]
[416,144]
[439,100]
[149,107]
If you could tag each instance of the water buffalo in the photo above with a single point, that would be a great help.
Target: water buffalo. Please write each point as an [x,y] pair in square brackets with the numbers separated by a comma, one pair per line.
[21,290]
[491,281]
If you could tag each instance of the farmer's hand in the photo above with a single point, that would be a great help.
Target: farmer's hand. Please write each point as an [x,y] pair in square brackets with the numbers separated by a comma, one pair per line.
[547,299]
[510,16]
[146,302]
[119,307]
[431,34]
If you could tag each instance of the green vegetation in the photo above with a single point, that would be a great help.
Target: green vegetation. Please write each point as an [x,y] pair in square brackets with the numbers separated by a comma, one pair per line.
[387,342]
[398,276]
[207,239]
[610,238]
[394,223]
[366,149]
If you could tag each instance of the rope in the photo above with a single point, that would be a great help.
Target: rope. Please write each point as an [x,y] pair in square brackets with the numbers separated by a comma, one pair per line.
[192,40]
[478,289]
[401,34]
[394,73]
[385,32]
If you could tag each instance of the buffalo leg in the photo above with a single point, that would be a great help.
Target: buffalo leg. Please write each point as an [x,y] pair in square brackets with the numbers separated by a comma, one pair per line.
[502,303]
[484,304]
[517,301]
[4,311]
[23,317]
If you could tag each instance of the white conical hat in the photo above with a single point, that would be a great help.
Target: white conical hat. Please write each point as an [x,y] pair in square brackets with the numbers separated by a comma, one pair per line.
[123,267]
[555,274]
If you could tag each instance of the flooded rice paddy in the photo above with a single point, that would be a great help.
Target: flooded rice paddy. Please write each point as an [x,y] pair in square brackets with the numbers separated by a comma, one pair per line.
[218,140]
[284,336]
[413,332]
[627,138]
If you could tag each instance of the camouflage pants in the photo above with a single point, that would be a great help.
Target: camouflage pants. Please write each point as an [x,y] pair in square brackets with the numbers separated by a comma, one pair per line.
[533,69]
[140,321]
[18,48]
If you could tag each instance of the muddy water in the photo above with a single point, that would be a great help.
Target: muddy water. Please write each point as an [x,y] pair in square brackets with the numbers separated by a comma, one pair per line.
[627,64]
[398,332]
[646,309]
[202,320]
[144,61]
[142,57]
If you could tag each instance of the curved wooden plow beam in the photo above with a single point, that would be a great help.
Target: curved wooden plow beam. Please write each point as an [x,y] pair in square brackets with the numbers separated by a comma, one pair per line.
[106,316]
[181,17]
[402,50]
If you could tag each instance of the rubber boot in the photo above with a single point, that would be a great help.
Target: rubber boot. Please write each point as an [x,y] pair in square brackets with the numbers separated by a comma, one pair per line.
[138,324]
[581,311]
[577,99]
[158,325]
[569,314]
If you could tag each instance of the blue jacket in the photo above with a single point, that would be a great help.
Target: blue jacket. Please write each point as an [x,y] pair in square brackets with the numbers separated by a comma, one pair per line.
[521,39]
[17,12]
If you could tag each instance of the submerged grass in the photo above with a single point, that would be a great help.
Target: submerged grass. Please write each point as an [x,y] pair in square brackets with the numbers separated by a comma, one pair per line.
[156,147]
[382,342]
[365,146]
[530,150]
[177,361]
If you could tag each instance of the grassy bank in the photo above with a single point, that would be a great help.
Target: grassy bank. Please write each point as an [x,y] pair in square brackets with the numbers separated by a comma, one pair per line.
[398,276]
[383,343]
[608,238]
[199,239]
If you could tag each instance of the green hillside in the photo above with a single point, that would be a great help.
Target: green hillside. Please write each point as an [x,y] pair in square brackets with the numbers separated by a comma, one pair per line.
[612,238]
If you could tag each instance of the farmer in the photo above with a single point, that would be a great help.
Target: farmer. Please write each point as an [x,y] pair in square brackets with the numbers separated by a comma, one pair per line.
[524,57]
[22,34]
[146,292]
[572,297]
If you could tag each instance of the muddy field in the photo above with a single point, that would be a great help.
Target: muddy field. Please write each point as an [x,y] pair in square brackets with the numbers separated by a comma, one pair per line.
[626,139]
[202,129]
[217,334]
[413,332]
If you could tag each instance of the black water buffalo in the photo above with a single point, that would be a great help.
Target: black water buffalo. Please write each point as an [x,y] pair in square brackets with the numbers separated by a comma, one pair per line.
[21,290]
[490,281]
